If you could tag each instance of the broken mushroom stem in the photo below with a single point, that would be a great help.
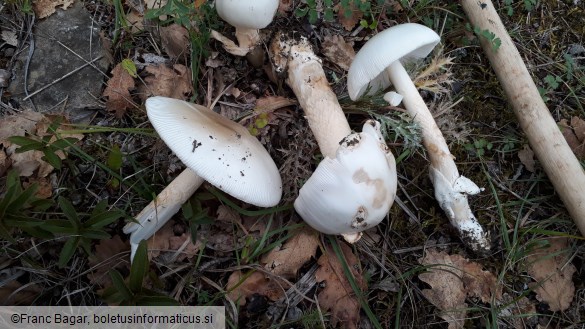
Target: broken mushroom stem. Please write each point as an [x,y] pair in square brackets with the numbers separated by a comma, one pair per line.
[308,81]
[354,186]
[167,203]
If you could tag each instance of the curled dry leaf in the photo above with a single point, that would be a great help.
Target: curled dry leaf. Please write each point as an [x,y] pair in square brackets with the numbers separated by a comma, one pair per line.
[338,51]
[173,82]
[109,254]
[575,135]
[45,8]
[452,279]
[286,260]
[549,267]
[255,283]
[338,295]
[117,92]
[526,156]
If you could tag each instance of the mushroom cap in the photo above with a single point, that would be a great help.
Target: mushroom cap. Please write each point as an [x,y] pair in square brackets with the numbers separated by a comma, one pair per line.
[354,191]
[247,14]
[219,150]
[401,42]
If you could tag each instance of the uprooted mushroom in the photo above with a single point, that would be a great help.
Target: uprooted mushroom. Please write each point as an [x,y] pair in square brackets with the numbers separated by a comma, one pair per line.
[353,188]
[214,149]
[375,67]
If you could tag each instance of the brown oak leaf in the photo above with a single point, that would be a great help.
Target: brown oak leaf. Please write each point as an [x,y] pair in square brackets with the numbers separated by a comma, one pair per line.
[549,267]
[350,16]
[109,254]
[338,51]
[255,283]
[453,278]
[173,82]
[117,92]
[574,134]
[45,8]
[294,253]
[175,40]
[338,295]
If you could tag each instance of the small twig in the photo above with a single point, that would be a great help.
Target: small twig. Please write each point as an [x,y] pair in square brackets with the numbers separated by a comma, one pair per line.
[61,78]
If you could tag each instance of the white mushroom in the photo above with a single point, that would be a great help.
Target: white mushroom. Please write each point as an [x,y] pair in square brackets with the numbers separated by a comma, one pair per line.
[247,16]
[355,185]
[375,67]
[214,149]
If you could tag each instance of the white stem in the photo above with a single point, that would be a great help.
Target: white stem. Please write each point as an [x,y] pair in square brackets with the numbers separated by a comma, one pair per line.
[248,38]
[309,83]
[161,209]
[451,189]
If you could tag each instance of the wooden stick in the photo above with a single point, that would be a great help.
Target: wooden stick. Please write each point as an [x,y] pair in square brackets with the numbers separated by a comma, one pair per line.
[545,138]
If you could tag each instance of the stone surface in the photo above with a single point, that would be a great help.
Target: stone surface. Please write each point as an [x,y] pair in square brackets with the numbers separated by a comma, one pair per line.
[77,95]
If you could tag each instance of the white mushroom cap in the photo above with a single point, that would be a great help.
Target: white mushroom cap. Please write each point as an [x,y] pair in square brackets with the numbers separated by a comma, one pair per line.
[247,14]
[401,42]
[219,150]
[354,191]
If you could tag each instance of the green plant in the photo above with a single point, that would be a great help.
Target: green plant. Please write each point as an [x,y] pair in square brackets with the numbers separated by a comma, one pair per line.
[17,209]
[552,83]
[132,291]
[489,36]
[311,11]
[80,233]
[528,5]
[479,146]
[260,122]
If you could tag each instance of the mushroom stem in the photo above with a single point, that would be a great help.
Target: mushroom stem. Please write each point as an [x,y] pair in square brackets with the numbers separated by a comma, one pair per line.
[309,83]
[248,38]
[163,207]
[451,189]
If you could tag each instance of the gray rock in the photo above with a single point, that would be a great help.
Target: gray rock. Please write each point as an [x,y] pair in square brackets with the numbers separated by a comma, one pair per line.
[77,94]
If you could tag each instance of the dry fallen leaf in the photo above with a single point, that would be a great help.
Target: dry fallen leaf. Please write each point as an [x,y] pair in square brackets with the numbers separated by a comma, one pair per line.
[349,17]
[168,247]
[256,283]
[338,51]
[173,82]
[575,135]
[5,162]
[31,124]
[294,253]
[526,156]
[453,278]
[553,275]
[45,8]
[520,313]
[10,37]
[175,40]
[45,188]
[338,295]
[109,254]
[117,91]
[268,104]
